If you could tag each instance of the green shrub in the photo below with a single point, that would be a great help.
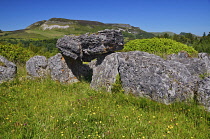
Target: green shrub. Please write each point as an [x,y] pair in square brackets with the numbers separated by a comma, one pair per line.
[159,46]
[15,53]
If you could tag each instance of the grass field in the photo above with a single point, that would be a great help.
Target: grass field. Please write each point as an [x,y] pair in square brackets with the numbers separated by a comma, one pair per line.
[46,109]
[47,34]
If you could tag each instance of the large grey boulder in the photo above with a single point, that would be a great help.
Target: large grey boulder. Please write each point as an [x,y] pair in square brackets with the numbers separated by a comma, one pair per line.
[203,93]
[152,77]
[90,46]
[37,66]
[146,75]
[8,70]
[64,70]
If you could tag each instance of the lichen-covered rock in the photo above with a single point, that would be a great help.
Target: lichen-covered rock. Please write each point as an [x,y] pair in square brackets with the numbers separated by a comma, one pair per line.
[152,77]
[206,59]
[37,66]
[88,47]
[8,70]
[203,93]
[195,66]
[202,55]
[63,70]
[146,75]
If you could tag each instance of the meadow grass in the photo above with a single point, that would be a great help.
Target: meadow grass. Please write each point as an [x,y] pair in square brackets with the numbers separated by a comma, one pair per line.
[42,108]
[48,33]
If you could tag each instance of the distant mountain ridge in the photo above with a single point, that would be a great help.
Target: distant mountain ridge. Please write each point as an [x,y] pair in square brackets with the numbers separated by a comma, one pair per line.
[62,22]
[162,33]
[184,34]
[172,33]
[58,27]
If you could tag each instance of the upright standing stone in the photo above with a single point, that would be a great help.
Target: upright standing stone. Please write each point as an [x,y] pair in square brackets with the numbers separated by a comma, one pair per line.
[64,69]
[105,71]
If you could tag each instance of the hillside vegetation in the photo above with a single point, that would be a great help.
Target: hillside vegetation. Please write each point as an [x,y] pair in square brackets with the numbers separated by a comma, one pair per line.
[15,53]
[76,27]
[201,44]
[20,50]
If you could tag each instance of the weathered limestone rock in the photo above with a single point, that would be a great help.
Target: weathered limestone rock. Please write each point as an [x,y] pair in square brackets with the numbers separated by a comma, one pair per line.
[37,66]
[195,66]
[105,71]
[64,69]
[152,77]
[88,47]
[146,75]
[203,93]
[202,55]
[206,59]
[8,70]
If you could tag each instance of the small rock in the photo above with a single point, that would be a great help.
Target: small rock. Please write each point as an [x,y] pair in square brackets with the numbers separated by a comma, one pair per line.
[183,54]
[203,93]
[205,58]
[202,55]
[8,70]
[37,66]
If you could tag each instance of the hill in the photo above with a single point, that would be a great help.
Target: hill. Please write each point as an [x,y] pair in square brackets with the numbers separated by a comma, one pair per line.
[58,27]
[188,34]
[162,33]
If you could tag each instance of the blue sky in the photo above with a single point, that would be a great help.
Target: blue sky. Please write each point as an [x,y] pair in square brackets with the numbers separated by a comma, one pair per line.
[150,15]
